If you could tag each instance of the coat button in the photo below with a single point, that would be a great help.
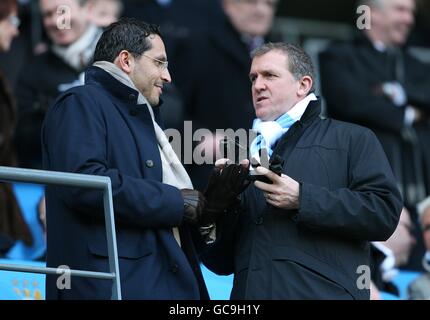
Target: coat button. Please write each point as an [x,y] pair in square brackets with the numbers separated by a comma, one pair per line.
[174,268]
[132,97]
[259,221]
[149,163]
[133,112]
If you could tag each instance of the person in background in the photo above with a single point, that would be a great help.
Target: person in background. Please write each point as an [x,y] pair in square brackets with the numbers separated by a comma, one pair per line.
[72,42]
[374,81]
[105,12]
[420,288]
[388,256]
[221,59]
[12,223]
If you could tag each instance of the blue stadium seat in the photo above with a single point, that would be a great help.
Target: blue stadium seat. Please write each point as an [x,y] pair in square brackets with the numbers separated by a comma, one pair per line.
[219,287]
[21,285]
[403,279]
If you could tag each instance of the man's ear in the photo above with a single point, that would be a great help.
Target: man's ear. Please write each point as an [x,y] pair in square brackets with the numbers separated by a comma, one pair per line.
[305,86]
[125,61]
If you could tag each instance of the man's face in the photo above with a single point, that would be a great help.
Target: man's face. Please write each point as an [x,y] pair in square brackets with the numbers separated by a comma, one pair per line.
[394,19]
[149,75]
[55,20]
[8,31]
[251,17]
[105,12]
[425,223]
[274,88]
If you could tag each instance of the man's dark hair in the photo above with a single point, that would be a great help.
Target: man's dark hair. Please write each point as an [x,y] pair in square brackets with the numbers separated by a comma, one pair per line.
[299,62]
[126,34]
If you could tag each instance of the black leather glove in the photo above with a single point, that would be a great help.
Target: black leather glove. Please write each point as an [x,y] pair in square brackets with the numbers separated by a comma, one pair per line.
[194,202]
[223,189]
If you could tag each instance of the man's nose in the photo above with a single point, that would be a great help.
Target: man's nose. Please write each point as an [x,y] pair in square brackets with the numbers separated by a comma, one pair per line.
[166,76]
[259,84]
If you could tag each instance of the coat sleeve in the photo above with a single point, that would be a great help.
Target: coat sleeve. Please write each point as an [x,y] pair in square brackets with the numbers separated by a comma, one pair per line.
[220,256]
[368,209]
[74,140]
[351,99]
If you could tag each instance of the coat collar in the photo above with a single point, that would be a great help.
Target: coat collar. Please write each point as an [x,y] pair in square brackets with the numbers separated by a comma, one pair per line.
[312,111]
[98,76]
[95,75]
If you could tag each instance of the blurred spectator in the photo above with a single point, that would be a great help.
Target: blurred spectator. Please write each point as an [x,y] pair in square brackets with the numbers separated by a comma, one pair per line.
[9,23]
[12,224]
[73,38]
[215,81]
[180,21]
[105,12]
[375,82]
[12,60]
[420,288]
[387,256]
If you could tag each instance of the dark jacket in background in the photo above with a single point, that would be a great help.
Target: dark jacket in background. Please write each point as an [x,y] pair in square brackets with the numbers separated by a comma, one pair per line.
[99,129]
[180,21]
[348,197]
[40,83]
[351,76]
[214,80]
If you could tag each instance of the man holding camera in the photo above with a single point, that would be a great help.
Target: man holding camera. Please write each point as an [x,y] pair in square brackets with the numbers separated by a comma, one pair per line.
[304,235]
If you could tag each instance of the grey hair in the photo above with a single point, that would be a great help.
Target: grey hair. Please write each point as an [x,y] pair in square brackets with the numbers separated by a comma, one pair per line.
[299,62]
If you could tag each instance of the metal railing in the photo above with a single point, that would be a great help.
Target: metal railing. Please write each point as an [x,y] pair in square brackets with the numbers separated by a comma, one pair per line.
[8,174]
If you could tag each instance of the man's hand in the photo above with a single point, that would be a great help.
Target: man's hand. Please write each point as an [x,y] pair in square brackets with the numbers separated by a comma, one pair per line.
[194,201]
[283,193]
[225,184]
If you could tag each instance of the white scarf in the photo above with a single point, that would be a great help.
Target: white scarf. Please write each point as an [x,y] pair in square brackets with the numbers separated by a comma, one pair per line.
[79,54]
[173,171]
[272,131]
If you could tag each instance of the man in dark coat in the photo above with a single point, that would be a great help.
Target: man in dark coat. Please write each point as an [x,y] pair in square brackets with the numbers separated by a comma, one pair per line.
[110,127]
[51,73]
[306,234]
[373,81]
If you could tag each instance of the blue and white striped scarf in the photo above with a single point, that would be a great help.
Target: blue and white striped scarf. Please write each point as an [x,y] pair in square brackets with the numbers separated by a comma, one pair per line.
[269,132]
